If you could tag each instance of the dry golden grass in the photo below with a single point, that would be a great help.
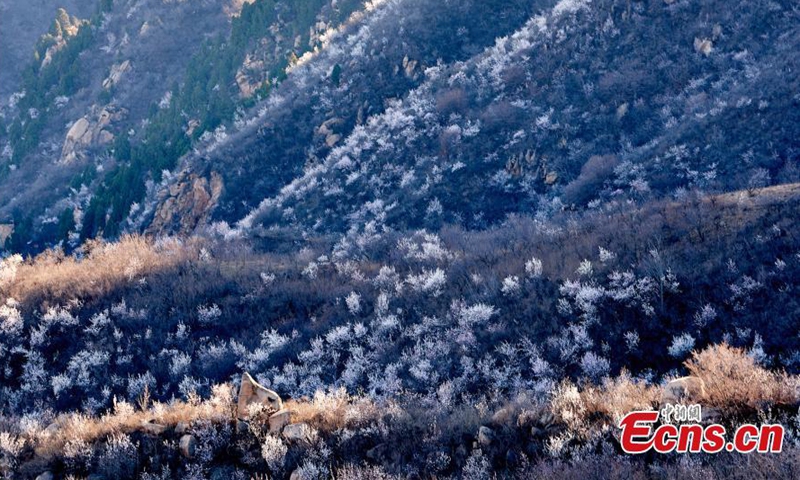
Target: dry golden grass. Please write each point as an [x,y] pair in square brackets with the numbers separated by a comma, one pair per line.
[618,396]
[71,428]
[735,383]
[55,278]
[328,412]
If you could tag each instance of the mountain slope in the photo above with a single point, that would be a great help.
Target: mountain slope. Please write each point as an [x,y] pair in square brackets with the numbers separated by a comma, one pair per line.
[586,104]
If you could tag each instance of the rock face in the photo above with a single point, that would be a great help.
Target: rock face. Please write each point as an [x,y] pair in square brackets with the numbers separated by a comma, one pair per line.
[89,131]
[189,204]
[410,67]
[251,76]
[685,390]
[6,229]
[251,392]
[279,420]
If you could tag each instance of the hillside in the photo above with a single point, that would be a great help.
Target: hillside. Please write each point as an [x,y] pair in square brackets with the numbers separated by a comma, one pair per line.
[565,111]
[395,239]
[451,320]
[543,107]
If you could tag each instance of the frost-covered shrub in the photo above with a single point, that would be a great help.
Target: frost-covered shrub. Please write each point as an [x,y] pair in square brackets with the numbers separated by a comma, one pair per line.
[511,286]
[428,281]
[208,315]
[533,268]
[119,457]
[11,322]
[681,345]
[274,451]
[353,302]
[594,366]
[8,269]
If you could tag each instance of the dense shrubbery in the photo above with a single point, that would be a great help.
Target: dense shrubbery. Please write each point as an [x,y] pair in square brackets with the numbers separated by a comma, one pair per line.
[510,309]
[531,435]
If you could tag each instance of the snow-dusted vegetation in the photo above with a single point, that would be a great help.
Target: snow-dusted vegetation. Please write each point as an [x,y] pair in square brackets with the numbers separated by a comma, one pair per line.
[398,239]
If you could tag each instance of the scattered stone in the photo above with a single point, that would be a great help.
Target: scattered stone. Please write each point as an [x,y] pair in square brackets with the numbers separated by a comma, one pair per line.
[181,428]
[191,126]
[684,390]
[188,445]
[703,45]
[296,475]
[551,178]
[485,436]
[279,420]
[296,432]
[501,416]
[152,428]
[45,476]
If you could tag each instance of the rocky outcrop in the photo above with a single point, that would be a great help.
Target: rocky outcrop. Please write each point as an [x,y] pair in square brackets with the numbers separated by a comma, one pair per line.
[90,131]
[251,76]
[188,204]
[6,229]
[684,390]
[116,74]
[251,392]
[410,67]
